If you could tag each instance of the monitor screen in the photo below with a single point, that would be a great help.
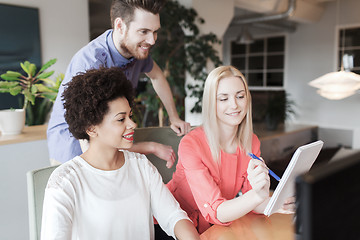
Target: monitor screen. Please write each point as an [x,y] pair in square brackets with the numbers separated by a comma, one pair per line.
[19,41]
[328,201]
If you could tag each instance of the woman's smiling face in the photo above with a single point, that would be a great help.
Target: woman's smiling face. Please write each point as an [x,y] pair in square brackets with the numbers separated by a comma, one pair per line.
[117,128]
[231,101]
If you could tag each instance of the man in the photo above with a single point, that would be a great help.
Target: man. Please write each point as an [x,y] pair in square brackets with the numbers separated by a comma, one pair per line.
[127,45]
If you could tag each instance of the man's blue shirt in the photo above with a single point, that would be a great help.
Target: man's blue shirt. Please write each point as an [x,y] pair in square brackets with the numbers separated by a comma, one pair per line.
[99,52]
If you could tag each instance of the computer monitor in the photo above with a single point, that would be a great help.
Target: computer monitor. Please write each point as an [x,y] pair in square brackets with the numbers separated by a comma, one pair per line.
[328,201]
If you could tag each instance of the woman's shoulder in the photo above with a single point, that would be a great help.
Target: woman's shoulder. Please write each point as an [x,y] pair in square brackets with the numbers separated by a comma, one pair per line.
[64,173]
[197,134]
[255,139]
[132,155]
[137,160]
[140,164]
[195,139]
[194,144]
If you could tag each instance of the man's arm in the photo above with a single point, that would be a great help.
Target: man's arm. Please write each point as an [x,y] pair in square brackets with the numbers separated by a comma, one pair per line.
[162,88]
[162,151]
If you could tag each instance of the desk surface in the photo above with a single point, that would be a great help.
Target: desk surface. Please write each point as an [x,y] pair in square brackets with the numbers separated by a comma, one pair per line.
[32,133]
[253,227]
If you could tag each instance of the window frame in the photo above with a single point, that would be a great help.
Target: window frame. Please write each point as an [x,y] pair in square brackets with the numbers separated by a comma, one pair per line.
[340,48]
[264,54]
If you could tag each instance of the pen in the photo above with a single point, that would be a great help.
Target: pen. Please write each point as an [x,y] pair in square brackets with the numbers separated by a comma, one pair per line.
[253,156]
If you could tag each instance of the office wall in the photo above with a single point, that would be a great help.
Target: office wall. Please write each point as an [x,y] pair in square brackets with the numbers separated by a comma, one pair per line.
[64,28]
[312,53]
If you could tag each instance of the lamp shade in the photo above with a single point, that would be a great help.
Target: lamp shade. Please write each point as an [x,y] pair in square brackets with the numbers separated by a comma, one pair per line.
[245,37]
[337,85]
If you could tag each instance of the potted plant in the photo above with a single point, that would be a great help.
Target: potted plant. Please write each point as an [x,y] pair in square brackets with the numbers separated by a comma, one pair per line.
[280,107]
[32,85]
[180,48]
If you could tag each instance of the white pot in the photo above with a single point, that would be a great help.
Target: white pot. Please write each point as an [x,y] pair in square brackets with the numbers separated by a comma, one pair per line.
[12,122]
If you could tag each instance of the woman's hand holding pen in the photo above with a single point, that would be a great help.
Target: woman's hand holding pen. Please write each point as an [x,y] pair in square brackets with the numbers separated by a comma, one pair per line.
[258,176]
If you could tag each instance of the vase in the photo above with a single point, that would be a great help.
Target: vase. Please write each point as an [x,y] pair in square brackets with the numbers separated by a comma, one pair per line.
[12,121]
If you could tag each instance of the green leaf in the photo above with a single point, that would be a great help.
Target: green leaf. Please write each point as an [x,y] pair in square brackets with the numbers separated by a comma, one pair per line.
[49,82]
[8,84]
[45,75]
[43,88]
[4,90]
[25,66]
[34,89]
[49,95]
[11,76]
[32,69]
[59,80]
[29,96]
[47,65]
[15,90]
[7,78]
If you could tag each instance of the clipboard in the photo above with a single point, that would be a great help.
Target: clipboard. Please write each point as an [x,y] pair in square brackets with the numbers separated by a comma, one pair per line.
[301,162]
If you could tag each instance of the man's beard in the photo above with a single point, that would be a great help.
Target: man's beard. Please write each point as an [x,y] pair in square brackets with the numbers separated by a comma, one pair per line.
[133,50]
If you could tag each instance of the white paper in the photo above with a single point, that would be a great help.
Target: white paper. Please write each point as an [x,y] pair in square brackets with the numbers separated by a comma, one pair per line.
[301,162]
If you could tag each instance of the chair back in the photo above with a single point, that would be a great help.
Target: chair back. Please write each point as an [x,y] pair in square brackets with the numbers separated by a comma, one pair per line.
[36,183]
[163,135]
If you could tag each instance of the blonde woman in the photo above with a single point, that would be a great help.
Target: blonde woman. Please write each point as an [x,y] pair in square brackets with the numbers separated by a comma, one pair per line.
[216,181]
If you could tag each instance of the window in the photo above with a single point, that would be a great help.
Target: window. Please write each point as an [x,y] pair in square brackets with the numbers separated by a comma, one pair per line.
[349,49]
[262,62]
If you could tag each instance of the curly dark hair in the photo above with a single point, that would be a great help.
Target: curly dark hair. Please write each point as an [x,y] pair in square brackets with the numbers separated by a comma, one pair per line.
[125,8]
[87,95]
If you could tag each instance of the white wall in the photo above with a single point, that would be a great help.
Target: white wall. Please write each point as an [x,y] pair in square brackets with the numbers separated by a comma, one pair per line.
[217,15]
[312,53]
[64,28]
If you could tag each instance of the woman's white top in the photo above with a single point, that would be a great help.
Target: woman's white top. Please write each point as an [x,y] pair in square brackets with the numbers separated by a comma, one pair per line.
[82,202]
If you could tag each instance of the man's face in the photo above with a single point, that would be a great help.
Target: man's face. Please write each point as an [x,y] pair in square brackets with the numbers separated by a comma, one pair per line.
[140,35]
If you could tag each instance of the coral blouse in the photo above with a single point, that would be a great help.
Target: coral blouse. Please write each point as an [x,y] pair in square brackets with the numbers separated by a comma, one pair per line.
[200,185]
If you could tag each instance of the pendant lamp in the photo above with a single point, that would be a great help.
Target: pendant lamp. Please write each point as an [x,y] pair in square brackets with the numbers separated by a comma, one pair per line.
[337,85]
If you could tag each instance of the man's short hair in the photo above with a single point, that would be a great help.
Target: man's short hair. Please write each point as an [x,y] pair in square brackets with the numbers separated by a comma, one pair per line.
[125,9]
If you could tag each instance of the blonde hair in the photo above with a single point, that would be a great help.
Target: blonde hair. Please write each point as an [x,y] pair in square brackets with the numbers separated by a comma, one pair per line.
[210,121]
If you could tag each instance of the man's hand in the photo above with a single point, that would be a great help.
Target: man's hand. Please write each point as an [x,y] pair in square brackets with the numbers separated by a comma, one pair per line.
[180,127]
[162,151]
[165,152]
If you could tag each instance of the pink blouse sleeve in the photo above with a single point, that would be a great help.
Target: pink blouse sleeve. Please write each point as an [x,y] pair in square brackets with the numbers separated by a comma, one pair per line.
[196,160]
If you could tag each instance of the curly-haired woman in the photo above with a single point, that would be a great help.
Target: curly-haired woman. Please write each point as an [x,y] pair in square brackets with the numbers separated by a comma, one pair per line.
[107,192]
